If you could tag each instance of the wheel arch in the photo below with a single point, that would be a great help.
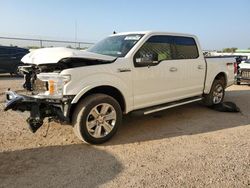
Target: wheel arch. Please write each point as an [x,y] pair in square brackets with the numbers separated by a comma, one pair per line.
[105,89]
[218,76]
[221,76]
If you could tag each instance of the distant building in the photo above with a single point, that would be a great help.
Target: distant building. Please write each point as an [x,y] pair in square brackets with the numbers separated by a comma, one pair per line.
[242,51]
[236,53]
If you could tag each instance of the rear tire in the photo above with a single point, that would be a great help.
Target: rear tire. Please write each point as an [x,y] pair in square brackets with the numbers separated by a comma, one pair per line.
[97,118]
[216,94]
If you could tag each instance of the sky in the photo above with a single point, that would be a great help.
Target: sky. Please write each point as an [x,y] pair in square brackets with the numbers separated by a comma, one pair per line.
[218,24]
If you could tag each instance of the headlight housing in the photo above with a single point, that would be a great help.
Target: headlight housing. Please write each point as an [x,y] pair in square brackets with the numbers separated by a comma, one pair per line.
[54,84]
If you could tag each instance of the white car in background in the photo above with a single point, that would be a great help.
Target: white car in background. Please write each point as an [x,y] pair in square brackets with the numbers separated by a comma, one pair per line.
[244,72]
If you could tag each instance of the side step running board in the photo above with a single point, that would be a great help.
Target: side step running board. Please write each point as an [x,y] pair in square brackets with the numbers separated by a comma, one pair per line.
[158,108]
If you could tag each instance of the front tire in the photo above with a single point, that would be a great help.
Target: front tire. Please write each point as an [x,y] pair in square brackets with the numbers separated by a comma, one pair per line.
[97,118]
[216,94]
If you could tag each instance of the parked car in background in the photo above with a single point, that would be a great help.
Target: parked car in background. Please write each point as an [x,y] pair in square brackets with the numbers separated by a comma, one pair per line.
[243,74]
[10,58]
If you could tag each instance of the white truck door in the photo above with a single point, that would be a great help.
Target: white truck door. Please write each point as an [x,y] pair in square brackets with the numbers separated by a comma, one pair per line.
[157,78]
[187,52]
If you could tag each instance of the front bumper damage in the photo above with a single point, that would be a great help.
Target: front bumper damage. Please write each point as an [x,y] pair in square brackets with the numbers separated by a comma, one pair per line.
[39,108]
[243,75]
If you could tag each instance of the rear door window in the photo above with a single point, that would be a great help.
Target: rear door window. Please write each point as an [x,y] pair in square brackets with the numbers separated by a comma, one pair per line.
[185,48]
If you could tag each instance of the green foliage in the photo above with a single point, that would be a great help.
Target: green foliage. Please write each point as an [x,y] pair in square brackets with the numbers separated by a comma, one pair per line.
[229,50]
[33,47]
[82,48]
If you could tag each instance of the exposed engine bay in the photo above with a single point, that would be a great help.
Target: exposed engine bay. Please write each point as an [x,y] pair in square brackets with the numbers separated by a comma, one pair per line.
[30,71]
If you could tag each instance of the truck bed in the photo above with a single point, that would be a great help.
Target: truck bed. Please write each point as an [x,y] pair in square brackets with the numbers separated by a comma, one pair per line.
[225,63]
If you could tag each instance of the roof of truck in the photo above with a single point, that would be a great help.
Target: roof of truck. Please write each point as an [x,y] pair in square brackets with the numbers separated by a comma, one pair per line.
[154,32]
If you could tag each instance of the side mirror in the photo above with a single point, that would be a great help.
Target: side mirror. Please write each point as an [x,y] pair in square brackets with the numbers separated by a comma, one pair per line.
[144,60]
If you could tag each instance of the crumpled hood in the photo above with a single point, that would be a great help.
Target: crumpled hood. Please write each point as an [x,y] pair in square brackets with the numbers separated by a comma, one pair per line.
[54,55]
[244,65]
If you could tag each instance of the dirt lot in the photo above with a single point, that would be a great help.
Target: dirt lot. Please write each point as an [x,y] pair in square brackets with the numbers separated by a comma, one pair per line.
[189,146]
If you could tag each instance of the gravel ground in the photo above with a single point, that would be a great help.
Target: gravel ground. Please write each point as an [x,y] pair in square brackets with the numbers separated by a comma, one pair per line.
[188,146]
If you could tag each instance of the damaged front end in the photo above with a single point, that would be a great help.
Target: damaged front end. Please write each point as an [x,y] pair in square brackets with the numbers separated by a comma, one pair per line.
[45,98]
[45,82]
[38,108]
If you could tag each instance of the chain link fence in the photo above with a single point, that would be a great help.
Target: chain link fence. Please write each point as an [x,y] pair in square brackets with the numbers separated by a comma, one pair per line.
[33,43]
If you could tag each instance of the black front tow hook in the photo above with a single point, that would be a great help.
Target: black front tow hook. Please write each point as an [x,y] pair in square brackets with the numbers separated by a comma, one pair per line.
[34,124]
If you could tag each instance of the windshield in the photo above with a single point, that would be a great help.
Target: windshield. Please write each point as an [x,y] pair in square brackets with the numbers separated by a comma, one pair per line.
[117,46]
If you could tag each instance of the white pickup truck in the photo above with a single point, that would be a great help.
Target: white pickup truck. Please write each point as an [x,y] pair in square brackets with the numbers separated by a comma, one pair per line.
[141,72]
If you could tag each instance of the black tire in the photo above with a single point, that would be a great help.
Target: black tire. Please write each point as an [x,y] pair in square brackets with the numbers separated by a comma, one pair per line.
[82,114]
[209,98]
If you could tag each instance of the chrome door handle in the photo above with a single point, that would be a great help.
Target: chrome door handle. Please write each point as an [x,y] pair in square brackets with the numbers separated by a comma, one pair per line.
[173,69]
[200,66]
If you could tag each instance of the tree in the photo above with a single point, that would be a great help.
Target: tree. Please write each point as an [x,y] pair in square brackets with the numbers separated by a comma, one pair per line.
[33,47]
[229,50]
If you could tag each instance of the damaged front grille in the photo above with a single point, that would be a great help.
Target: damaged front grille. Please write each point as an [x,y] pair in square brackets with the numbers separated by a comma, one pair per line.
[31,82]
[245,74]
[30,77]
